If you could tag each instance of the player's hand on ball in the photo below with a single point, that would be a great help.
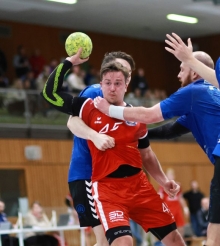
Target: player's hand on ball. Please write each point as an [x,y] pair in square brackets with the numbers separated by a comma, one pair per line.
[102,105]
[75,59]
[78,40]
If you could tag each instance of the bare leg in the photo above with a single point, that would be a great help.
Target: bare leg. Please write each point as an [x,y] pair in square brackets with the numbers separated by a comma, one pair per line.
[100,236]
[123,241]
[173,239]
[213,235]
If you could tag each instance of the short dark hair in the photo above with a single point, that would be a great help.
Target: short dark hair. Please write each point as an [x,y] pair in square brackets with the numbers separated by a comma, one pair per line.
[114,67]
[111,56]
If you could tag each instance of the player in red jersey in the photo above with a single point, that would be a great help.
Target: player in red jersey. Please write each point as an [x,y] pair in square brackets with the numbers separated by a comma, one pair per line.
[120,188]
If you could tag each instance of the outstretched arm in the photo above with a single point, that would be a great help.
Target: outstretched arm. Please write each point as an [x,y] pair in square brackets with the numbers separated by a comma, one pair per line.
[137,114]
[81,130]
[185,54]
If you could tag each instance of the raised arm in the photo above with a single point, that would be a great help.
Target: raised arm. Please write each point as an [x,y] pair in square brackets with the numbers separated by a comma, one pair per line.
[185,54]
[81,130]
[52,91]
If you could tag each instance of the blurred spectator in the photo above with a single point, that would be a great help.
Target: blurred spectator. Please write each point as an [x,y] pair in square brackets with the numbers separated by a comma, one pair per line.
[21,62]
[36,218]
[3,63]
[53,64]
[29,82]
[15,99]
[4,82]
[92,76]
[37,62]
[6,239]
[42,78]
[193,198]
[75,80]
[202,216]
[176,205]
[139,82]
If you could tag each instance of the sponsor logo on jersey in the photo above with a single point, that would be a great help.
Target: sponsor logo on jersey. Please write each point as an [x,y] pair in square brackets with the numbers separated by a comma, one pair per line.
[129,123]
[98,120]
[116,215]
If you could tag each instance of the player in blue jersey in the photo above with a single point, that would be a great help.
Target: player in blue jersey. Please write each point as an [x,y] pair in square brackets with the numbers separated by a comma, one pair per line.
[198,105]
[80,170]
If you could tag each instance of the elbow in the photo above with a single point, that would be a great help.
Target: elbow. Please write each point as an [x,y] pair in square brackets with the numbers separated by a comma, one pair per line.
[69,123]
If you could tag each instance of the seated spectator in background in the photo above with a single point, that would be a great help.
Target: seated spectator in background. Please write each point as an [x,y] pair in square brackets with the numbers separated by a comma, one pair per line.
[202,216]
[134,98]
[21,62]
[53,64]
[29,82]
[36,218]
[92,76]
[139,82]
[42,78]
[37,62]
[14,100]
[6,239]
[75,80]
[193,198]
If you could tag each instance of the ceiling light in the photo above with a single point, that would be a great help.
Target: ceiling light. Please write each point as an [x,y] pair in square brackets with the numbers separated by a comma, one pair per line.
[64,1]
[182,18]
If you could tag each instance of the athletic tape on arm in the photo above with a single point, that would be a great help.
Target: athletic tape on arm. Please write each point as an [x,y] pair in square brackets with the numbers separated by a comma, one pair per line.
[116,112]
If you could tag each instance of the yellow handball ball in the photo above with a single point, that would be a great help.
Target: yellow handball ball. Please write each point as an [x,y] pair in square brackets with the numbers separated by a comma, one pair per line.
[77,40]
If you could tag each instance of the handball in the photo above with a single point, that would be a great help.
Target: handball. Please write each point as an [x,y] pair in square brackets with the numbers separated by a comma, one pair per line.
[77,40]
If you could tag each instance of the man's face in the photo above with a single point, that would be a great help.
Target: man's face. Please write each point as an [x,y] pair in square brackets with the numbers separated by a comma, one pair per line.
[114,87]
[125,64]
[2,207]
[185,75]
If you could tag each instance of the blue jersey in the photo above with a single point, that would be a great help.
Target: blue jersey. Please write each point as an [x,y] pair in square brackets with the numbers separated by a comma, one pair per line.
[198,104]
[217,70]
[81,160]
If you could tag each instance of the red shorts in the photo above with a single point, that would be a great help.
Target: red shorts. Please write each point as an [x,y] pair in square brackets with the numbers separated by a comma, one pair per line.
[118,199]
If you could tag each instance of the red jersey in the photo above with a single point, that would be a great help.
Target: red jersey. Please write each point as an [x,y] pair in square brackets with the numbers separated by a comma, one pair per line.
[126,135]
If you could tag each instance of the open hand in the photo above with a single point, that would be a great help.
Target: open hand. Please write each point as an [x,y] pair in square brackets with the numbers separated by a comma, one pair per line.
[178,48]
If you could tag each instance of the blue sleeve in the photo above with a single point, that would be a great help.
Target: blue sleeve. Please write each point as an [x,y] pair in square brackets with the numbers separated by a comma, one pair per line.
[217,70]
[183,121]
[179,103]
[91,92]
